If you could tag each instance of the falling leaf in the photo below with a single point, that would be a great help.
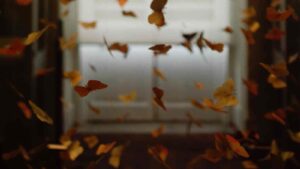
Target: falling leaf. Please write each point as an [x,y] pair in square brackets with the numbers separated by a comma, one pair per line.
[25,109]
[75,150]
[43,71]
[236,146]
[275,3]
[158,97]
[69,43]
[212,155]
[224,94]
[228,29]
[249,13]
[159,74]
[127,98]
[23,2]
[14,48]
[217,107]
[94,109]
[157,18]
[24,153]
[275,34]
[159,151]
[295,136]
[91,141]
[157,132]
[199,85]
[293,58]
[107,46]
[287,155]
[214,46]
[254,26]
[115,156]
[92,85]
[276,82]
[105,148]
[128,13]
[57,147]
[65,2]
[247,164]
[188,40]
[160,49]
[276,16]
[74,76]
[34,36]
[88,25]
[274,148]
[200,42]
[279,69]
[66,138]
[65,13]
[93,68]
[123,48]
[197,104]
[277,74]
[122,3]
[252,86]
[275,117]
[40,114]
[249,36]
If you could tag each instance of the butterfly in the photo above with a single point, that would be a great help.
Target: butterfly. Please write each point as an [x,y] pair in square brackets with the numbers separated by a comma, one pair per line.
[160,49]
[92,85]
[158,96]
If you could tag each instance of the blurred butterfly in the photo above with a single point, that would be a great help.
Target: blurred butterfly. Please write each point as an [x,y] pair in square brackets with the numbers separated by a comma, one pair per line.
[15,47]
[158,96]
[129,13]
[157,16]
[188,40]
[88,25]
[92,85]
[160,49]
[275,34]
[123,48]
[276,16]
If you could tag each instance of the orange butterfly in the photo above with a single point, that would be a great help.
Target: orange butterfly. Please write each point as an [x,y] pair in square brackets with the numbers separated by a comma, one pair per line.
[214,46]
[15,47]
[228,29]
[123,48]
[188,40]
[129,13]
[236,146]
[275,34]
[276,16]
[249,36]
[160,49]
[157,16]
[252,86]
[92,85]
[158,96]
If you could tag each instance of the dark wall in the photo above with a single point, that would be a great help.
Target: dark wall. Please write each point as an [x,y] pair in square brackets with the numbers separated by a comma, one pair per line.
[45,91]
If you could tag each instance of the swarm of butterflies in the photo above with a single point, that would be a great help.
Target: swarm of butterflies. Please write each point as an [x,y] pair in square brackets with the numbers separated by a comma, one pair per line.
[226,145]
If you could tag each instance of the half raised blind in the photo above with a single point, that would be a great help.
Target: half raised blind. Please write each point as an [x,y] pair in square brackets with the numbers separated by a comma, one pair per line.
[210,16]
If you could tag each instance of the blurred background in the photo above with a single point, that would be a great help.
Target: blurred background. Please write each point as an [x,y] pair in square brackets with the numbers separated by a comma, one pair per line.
[103,113]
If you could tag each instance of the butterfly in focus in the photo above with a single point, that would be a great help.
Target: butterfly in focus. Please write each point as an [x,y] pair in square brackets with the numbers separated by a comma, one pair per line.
[92,85]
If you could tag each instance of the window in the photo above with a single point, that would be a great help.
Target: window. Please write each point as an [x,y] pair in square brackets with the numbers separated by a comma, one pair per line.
[135,73]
